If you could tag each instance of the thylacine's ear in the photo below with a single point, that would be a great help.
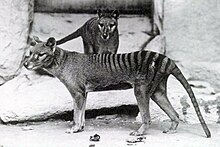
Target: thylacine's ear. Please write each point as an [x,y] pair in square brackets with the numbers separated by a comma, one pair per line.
[115,14]
[100,13]
[33,41]
[37,39]
[51,42]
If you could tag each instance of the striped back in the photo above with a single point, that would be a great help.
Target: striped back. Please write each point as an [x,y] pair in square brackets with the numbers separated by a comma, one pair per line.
[139,62]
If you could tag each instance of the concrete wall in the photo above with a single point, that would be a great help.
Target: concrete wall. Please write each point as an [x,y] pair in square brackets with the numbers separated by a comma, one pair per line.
[192,30]
[15,19]
[79,6]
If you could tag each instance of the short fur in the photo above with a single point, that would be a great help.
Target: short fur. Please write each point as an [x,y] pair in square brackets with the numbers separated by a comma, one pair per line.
[146,71]
[99,34]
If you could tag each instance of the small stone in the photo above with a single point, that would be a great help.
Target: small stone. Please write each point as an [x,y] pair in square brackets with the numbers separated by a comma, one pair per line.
[27,128]
[92,145]
[95,137]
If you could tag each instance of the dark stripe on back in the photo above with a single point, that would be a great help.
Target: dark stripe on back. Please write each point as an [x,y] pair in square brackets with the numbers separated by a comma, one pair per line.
[143,56]
[97,58]
[123,60]
[105,60]
[136,60]
[109,61]
[114,58]
[129,61]
[102,60]
[118,61]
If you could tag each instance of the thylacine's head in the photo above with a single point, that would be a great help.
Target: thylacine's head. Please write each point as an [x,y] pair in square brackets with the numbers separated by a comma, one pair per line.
[107,23]
[41,55]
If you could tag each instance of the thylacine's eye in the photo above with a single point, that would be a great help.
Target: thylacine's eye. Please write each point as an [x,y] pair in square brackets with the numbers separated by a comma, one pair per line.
[112,25]
[101,24]
[41,54]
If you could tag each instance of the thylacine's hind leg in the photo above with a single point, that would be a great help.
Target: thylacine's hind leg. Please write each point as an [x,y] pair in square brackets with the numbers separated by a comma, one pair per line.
[160,97]
[143,98]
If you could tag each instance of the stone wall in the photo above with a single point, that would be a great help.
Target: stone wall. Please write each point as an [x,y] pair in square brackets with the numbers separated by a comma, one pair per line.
[91,6]
[192,30]
[15,19]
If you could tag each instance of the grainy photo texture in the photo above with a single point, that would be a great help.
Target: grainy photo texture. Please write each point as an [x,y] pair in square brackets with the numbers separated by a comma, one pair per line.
[88,73]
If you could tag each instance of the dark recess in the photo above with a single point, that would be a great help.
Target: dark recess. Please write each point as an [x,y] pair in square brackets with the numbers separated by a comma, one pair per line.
[130,110]
[143,7]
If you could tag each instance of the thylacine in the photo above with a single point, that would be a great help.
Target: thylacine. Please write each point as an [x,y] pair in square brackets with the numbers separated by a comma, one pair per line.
[146,71]
[99,34]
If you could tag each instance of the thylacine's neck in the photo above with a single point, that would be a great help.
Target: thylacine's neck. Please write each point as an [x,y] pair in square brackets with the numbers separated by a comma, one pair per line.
[64,61]
[58,60]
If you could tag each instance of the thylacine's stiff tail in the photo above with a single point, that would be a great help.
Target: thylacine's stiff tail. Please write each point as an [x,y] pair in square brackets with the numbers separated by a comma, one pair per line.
[74,35]
[179,76]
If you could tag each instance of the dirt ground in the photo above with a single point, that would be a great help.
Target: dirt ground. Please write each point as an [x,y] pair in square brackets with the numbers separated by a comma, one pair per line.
[113,132]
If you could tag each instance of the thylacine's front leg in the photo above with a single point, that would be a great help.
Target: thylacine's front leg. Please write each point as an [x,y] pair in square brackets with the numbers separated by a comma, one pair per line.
[79,101]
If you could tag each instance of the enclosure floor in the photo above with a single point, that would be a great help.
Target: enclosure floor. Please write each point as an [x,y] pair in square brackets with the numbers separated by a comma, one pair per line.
[113,133]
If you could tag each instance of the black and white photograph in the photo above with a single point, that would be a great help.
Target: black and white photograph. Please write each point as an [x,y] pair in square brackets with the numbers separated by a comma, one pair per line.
[109,73]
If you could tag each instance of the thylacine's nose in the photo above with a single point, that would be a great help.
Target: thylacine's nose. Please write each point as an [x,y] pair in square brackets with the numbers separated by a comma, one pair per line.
[105,35]
[25,64]
[28,66]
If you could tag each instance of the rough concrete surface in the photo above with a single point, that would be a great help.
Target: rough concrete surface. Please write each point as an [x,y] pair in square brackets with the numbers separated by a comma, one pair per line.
[15,19]
[192,35]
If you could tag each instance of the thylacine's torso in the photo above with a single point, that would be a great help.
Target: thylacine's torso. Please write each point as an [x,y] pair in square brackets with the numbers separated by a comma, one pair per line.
[102,70]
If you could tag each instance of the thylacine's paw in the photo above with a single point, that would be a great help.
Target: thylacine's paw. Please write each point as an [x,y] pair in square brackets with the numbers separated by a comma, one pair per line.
[169,131]
[150,122]
[75,129]
[135,139]
[141,131]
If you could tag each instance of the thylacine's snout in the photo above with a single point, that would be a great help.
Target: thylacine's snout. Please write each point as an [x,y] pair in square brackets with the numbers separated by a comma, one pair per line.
[105,36]
[27,65]
[30,66]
